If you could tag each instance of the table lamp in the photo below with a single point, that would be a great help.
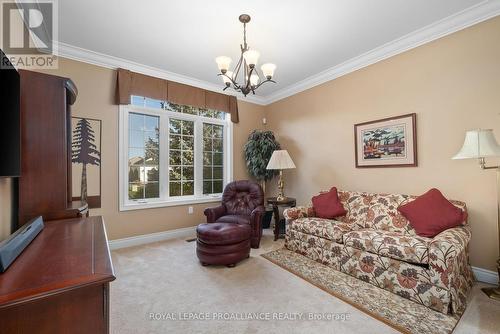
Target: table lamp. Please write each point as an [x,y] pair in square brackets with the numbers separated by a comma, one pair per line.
[481,144]
[280,160]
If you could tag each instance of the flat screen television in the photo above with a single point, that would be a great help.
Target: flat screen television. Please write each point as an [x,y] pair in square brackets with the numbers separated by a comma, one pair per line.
[10,127]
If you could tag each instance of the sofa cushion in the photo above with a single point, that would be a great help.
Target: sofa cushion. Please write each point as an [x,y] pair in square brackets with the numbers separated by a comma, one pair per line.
[383,214]
[324,228]
[356,204]
[327,205]
[412,249]
[431,214]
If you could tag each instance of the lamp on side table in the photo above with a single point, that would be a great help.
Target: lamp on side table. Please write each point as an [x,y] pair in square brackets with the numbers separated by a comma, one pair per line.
[280,160]
[481,144]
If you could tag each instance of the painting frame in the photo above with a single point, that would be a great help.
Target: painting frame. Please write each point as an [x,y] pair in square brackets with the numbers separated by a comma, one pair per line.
[407,122]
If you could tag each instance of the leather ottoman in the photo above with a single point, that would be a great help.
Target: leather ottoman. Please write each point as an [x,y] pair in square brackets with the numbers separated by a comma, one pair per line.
[223,243]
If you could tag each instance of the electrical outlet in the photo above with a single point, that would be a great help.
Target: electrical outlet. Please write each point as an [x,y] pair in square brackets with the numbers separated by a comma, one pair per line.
[190,210]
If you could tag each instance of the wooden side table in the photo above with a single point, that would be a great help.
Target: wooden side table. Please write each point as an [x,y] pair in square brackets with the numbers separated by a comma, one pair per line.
[288,202]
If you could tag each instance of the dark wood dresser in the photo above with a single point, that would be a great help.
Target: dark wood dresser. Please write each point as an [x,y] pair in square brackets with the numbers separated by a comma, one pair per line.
[45,182]
[60,283]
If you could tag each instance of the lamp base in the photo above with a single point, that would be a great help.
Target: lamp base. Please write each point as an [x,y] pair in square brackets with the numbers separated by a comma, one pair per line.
[281,184]
[281,198]
[493,293]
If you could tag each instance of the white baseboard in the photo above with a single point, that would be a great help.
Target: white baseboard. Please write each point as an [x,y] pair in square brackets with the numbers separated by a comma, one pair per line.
[186,232]
[485,276]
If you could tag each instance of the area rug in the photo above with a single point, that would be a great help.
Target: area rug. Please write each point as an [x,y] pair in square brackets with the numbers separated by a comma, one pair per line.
[397,312]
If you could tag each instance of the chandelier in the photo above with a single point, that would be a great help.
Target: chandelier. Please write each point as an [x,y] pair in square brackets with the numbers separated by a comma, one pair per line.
[247,65]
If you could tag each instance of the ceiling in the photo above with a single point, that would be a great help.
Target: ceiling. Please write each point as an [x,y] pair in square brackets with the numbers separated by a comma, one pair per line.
[302,37]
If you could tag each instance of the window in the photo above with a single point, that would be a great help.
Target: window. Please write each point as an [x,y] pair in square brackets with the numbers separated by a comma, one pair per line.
[172,154]
[213,158]
[143,156]
[181,157]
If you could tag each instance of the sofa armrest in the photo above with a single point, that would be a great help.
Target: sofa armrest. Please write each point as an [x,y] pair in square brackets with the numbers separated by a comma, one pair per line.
[214,213]
[449,264]
[291,214]
[448,244]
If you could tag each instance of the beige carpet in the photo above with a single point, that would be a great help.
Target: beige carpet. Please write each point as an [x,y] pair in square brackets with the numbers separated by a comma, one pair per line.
[166,281]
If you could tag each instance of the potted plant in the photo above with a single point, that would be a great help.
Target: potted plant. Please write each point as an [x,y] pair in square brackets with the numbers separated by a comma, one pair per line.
[258,150]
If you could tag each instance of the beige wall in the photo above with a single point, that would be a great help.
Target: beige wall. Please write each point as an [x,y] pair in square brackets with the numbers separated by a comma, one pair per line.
[96,91]
[453,84]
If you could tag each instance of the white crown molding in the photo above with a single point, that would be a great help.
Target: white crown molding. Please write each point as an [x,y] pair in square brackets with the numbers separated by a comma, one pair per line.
[107,61]
[461,20]
[187,232]
[485,276]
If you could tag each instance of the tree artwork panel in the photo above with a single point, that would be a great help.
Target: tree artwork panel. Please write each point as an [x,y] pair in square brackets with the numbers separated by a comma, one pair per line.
[86,160]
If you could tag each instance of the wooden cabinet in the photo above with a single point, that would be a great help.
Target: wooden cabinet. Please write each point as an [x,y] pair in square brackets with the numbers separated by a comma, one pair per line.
[60,283]
[45,182]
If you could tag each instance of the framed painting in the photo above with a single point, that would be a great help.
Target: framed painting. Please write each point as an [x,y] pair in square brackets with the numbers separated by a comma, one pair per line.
[86,160]
[388,142]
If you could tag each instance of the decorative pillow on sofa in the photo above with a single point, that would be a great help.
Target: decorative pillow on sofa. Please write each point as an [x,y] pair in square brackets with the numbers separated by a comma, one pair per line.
[327,205]
[431,214]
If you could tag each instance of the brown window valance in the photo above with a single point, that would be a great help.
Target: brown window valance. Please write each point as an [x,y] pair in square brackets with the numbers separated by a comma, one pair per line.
[131,83]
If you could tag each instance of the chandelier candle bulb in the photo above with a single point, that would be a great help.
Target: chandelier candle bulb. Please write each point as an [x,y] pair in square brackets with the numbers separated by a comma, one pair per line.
[223,63]
[268,70]
[227,77]
[251,57]
[254,79]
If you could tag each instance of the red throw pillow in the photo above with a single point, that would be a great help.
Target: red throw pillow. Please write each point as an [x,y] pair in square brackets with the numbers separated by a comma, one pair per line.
[327,205]
[431,214]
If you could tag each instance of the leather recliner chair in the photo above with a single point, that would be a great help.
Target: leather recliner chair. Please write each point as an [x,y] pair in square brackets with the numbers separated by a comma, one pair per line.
[242,203]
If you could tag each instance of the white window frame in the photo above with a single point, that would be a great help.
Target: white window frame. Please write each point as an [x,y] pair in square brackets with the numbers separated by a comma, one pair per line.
[165,200]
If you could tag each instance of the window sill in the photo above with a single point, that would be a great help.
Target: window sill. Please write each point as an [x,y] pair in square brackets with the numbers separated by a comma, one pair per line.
[160,204]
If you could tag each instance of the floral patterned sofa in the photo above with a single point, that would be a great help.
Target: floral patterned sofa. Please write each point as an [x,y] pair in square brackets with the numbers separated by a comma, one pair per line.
[375,243]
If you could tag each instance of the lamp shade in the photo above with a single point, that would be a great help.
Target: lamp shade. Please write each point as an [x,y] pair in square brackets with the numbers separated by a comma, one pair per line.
[280,160]
[223,63]
[268,70]
[479,144]
[251,57]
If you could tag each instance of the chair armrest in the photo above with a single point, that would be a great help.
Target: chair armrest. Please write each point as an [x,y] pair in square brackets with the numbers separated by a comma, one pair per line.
[256,221]
[449,263]
[291,214]
[258,212]
[214,213]
[256,217]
